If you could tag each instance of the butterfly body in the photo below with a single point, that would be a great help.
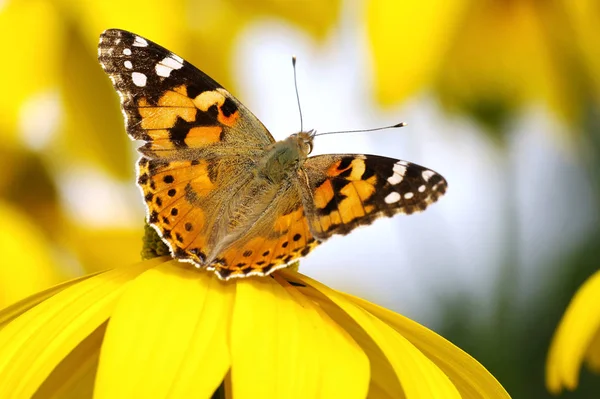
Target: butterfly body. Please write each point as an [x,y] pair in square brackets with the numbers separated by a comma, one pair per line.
[220,191]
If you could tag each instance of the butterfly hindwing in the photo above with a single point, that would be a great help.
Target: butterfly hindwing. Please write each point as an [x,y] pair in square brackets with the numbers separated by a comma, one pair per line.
[170,104]
[278,237]
[346,191]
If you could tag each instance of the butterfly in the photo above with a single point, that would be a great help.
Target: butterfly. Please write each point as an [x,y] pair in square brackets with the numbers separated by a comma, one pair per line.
[220,191]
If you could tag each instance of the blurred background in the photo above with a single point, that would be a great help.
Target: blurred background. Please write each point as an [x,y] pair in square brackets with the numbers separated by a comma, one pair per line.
[500,96]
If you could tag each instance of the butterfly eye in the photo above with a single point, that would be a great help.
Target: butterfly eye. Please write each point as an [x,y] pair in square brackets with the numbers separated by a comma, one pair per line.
[309,144]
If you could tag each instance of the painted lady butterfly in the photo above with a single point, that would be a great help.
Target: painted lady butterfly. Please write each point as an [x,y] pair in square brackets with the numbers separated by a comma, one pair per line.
[220,191]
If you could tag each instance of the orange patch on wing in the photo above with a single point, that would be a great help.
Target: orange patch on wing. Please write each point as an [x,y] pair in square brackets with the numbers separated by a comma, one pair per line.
[201,183]
[159,151]
[160,142]
[193,238]
[351,206]
[228,120]
[332,219]
[246,255]
[357,167]
[182,89]
[160,134]
[333,169]
[177,175]
[175,99]
[364,188]
[203,135]
[179,220]
[284,222]
[323,194]
[164,116]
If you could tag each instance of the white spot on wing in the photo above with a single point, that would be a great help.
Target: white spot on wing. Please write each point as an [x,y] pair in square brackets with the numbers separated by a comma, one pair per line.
[127,51]
[399,171]
[162,70]
[172,62]
[392,198]
[140,42]
[128,64]
[165,67]
[422,188]
[139,79]
[427,174]
[408,195]
[394,179]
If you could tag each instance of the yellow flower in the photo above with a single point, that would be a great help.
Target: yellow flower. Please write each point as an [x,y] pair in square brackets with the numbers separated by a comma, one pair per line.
[162,329]
[576,340]
[488,57]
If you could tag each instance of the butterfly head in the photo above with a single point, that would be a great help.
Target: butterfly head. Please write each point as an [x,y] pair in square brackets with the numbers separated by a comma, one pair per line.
[304,142]
[286,156]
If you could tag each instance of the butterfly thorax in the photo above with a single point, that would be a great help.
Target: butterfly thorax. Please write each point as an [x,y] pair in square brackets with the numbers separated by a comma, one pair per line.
[285,157]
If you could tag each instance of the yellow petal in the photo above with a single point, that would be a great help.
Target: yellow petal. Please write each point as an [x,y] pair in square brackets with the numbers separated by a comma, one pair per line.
[339,356]
[268,350]
[384,381]
[408,41]
[26,262]
[467,374]
[592,355]
[15,310]
[578,327]
[167,336]
[281,345]
[34,343]
[418,375]
[74,376]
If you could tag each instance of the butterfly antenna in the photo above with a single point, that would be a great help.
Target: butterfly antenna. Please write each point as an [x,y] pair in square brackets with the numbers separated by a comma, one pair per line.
[297,95]
[365,130]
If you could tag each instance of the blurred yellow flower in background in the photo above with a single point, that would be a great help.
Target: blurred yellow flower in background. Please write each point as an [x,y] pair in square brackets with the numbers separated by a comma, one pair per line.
[488,58]
[27,264]
[161,329]
[577,339]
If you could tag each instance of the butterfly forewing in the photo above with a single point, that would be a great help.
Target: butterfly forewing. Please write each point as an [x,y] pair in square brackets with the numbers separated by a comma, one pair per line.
[346,191]
[169,103]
